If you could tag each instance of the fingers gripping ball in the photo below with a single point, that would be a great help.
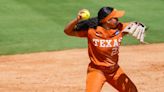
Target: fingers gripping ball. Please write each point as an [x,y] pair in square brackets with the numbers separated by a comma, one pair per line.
[84,14]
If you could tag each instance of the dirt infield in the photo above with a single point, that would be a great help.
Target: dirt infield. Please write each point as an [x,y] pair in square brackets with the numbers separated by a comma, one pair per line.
[65,71]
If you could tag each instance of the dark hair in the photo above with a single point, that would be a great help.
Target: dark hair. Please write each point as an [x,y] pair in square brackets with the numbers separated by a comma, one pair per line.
[85,24]
[103,12]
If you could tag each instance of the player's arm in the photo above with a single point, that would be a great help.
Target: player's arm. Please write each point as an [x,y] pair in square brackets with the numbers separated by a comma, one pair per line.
[70,28]
[78,27]
[124,25]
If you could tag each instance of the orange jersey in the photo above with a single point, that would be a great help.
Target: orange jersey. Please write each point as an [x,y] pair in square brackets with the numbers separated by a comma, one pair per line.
[103,45]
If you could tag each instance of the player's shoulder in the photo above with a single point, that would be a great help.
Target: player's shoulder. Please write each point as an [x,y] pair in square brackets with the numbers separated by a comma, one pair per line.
[91,30]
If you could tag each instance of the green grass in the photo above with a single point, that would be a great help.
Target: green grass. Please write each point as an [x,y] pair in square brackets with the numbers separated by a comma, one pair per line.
[37,25]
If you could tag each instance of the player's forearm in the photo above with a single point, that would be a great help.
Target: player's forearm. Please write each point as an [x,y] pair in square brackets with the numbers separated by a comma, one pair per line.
[69,29]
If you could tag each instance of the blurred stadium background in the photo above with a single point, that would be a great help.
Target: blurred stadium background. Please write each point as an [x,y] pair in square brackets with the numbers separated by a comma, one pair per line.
[28,26]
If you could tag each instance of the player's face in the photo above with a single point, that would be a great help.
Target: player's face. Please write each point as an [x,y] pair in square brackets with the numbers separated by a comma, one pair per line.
[112,23]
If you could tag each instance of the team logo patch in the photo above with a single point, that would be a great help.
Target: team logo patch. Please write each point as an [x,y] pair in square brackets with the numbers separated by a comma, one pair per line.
[117,32]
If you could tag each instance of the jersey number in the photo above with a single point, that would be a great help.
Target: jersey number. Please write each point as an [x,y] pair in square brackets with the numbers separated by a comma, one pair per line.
[114,51]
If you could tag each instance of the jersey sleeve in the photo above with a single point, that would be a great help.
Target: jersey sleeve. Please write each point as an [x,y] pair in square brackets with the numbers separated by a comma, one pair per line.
[82,33]
[124,25]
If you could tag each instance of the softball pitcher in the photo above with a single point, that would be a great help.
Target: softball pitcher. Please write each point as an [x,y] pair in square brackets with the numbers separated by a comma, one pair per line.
[104,34]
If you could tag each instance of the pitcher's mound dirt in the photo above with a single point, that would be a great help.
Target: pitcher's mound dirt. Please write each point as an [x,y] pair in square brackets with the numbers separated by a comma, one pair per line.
[65,71]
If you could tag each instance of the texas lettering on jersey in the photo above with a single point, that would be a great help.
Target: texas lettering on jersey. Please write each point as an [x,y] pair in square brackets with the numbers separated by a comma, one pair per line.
[107,43]
[112,44]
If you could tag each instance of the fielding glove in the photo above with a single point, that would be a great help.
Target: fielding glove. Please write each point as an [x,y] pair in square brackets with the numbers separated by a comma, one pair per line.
[137,30]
